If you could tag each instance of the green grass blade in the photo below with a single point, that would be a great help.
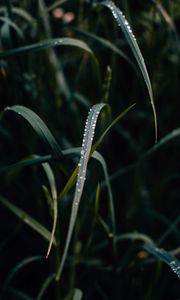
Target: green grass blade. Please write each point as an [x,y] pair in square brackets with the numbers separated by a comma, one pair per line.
[77,294]
[19,294]
[38,125]
[107,44]
[166,257]
[123,23]
[20,13]
[22,215]
[7,21]
[45,45]
[85,153]
[24,263]
[52,184]
[106,131]
[72,179]
[56,4]
[44,286]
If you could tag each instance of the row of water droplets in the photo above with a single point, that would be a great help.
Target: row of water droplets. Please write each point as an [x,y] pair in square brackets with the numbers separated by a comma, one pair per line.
[175,267]
[119,17]
[88,136]
[173,263]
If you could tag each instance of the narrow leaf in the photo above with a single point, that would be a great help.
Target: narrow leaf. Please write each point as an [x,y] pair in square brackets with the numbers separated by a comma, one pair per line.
[77,294]
[38,125]
[46,44]
[85,153]
[22,215]
[166,257]
[123,23]
[19,266]
[52,184]
[44,286]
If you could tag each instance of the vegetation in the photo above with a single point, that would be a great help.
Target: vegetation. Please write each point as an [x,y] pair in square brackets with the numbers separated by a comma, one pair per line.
[89,129]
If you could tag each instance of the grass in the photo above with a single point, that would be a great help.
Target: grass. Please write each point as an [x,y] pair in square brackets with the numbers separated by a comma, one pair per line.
[63,237]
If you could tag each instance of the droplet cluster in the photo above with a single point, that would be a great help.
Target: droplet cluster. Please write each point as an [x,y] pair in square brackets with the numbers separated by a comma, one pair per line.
[88,136]
[175,267]
[119,17]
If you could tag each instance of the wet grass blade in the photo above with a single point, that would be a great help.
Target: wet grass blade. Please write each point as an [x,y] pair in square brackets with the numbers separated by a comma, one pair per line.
[85,153]
[123,23]
[23,216]
[166,257]
[72,179]
[38,125]
[45,45]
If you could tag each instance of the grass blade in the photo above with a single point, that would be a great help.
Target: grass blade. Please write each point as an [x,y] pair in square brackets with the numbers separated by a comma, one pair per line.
[166,257]
[85,153]
[77,294]
[45,285]
[52,184]
[38,125]
[25,262]
[72,179]
[22,215]
[123,23]
[7,21]
[45,45]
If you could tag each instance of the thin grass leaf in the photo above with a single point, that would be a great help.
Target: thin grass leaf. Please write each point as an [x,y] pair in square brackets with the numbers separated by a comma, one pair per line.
[45,286]
[45,45]
[100,158]
[38,125]
[107,44]
[123,23]
[17,293]
[166,257]
[72,179]
[77,294]
[85,153]
[25,262]
[52,184]
[7,21]
[133,236]
[29,161]
[23,216]
[20,13]
[106,131]
[56,4]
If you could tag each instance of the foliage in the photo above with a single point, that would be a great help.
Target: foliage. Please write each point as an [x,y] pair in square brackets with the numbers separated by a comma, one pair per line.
[115,234]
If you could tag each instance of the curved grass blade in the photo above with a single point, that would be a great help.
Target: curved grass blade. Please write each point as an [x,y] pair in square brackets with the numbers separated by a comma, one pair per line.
[38,125]
[56,4]
[7,21]
[72,179]
[166,257]
[77,294]
[20,13]
[107,44]
[19,294]
[52,184]
[133,236]
[85,153]
[19,267]
[45,45]
[45,285]
[123,23]
[22,215]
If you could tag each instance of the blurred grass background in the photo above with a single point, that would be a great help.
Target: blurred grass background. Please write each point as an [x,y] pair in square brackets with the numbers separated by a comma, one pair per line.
[60,84]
